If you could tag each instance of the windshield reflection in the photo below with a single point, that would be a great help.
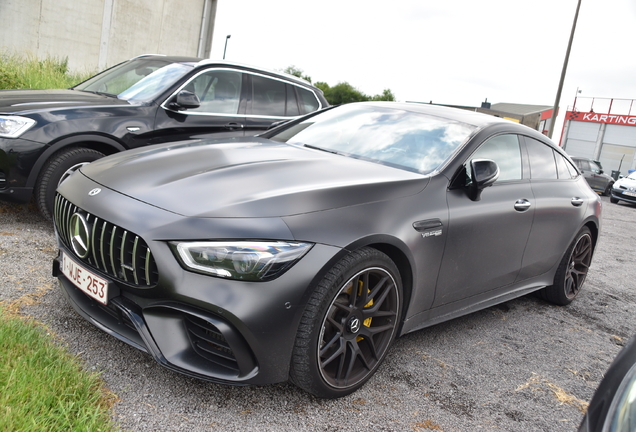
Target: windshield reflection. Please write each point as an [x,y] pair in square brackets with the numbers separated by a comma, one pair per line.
[138,80]
[405,139]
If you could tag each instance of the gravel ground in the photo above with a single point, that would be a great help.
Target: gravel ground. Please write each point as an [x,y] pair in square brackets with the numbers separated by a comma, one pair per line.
[524,365]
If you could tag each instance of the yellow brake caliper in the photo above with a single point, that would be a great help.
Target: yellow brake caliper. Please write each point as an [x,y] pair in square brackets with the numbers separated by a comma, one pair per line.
[366,322]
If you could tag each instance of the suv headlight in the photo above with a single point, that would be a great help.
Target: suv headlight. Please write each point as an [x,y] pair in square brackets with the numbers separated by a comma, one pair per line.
[14,126]
[242,260]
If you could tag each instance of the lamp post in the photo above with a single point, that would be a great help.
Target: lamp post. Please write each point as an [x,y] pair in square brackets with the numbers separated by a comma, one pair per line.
[565,67]
[225,49]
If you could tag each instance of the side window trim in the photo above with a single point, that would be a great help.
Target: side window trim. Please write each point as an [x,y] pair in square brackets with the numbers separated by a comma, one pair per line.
[246,97]
[289,88]
[246,94]
[249,105]
[165,104]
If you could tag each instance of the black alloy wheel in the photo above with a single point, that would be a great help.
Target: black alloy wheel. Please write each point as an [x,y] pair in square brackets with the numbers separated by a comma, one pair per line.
[572,270]
[348,326]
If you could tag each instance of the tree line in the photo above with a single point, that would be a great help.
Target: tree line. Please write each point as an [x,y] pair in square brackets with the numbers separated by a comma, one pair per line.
[343,92]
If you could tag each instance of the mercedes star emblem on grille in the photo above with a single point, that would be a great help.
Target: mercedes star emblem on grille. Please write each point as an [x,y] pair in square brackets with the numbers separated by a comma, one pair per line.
[79,235]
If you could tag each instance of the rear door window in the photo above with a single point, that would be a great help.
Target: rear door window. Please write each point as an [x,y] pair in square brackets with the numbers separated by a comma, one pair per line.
[269,97]
[583,164]
[542,163]
[595,168]
[564,168]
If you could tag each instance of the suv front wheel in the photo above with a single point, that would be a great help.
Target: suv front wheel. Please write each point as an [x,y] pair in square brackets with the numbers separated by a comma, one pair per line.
[57,169]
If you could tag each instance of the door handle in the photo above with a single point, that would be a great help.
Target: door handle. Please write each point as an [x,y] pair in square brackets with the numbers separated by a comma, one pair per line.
[522,205]
[577,202]
[233,125]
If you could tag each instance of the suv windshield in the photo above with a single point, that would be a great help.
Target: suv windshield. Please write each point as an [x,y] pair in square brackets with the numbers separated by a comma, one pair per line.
[404,139]
[137,80]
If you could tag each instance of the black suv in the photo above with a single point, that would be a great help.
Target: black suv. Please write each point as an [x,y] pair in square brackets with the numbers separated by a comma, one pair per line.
[593,173]
[45,135]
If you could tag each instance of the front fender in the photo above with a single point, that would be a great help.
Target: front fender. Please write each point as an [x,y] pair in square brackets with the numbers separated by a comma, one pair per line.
[101,143]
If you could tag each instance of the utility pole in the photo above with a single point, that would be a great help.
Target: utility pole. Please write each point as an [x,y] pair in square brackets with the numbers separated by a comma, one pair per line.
[229,36]
[565,68]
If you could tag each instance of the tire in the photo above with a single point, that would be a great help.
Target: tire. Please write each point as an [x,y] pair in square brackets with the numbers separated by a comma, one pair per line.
[61,165]
[608,189]
[345,333]
[572,271]
[614,200]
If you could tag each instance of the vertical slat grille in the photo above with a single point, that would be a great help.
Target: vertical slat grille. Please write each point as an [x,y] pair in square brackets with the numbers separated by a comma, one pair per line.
[113,250]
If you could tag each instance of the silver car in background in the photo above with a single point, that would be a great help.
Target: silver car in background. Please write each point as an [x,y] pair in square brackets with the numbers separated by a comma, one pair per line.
[625,189]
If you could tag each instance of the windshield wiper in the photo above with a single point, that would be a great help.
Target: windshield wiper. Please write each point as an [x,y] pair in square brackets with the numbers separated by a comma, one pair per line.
[322,149]
[110,95]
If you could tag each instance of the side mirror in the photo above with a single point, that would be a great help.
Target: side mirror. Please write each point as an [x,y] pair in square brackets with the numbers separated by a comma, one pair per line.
[185,100]
[483,173]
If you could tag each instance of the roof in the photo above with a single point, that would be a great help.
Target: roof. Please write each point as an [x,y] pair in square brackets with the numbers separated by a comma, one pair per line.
[255,68]
[201,62]
[451,113]
[520,109]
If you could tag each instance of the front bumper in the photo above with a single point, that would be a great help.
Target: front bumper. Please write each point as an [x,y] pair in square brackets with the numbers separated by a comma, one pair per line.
[17,159]
[181,338]
[229,332]
[620,195]
[221,330]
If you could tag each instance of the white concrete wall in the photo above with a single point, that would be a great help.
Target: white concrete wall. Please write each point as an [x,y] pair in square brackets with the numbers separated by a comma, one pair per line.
[95,34]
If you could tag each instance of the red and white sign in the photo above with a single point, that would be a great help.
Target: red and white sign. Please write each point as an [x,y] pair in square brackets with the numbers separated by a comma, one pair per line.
[592,117]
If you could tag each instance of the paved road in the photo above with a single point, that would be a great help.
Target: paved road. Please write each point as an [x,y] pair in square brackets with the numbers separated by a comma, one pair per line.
[521,366]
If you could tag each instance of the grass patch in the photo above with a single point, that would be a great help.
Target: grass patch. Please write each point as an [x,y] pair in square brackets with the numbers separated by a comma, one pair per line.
[42,387]
[27,72]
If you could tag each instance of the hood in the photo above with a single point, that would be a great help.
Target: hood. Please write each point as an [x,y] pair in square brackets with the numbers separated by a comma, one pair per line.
[20,101]
[251,177]
[627,183]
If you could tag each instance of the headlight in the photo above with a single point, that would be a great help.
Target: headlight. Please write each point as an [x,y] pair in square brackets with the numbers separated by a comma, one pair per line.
[14,126]
[242,260]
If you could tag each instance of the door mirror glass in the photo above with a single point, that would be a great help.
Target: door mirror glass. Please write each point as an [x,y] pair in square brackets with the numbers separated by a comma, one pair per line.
[483,173]
[187,100]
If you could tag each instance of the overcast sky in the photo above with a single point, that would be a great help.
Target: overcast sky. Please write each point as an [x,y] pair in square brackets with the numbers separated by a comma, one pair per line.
[449,52]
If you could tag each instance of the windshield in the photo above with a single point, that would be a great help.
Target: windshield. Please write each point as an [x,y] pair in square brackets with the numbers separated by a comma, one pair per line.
[138,80]
[405,139]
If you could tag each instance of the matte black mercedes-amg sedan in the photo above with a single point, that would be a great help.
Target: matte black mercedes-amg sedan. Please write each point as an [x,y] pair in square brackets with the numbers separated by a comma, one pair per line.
[303,252]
